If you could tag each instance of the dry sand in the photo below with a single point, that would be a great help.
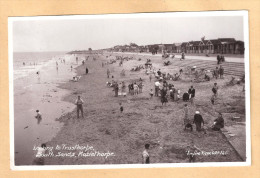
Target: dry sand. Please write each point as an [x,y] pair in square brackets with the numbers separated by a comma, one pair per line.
[143,120]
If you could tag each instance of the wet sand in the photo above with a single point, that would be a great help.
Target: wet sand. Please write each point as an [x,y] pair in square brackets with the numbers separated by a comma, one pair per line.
[39,92]
[143,120]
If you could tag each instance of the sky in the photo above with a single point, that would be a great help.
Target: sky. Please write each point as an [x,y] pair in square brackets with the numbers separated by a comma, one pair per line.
[38,35]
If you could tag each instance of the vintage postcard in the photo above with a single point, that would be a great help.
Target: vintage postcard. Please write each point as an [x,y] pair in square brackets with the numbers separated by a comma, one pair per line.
[129,90]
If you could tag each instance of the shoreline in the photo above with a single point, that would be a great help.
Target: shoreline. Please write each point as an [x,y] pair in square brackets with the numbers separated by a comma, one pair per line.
[94,114]
[39,92]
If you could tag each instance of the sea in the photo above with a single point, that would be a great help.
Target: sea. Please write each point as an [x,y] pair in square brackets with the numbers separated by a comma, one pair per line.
[36,77]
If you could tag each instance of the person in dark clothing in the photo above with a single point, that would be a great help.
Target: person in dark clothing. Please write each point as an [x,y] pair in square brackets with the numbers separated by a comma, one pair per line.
[132,88]
[145,155]
[108,73]
[222,59]
[216,73]
[182,56]
[215,89]
[86,70]
[79,103]
[221,71]
[187,123]
[164,96]
[171,94]
[116,88]
[181,71]
[191,94]
[121,107]
[218,59]
[198,120]
[207,78]
[129,88]
[159,72]
[185,96]
[218,123]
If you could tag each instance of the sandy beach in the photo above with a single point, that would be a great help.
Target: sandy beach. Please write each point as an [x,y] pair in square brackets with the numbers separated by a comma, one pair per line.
[123,135]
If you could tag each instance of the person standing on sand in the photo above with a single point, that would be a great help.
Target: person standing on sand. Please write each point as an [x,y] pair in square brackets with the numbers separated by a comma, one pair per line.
[86,70]
[191,94]
[215,90]
[198,120]
[174,91]
[123,89]
[164,96]
[79,102]
[221,71]
[216,73]
[145,155]
[140,87]
[116,88]
[151,93]
[38,117]
[187,123]
[57,66]
[218,59]
[108,73]
[157,88]
[132,88]
[136,89]
[121,107]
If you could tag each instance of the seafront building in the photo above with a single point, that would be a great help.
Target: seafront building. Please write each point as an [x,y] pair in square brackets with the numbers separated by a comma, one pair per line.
[211,46]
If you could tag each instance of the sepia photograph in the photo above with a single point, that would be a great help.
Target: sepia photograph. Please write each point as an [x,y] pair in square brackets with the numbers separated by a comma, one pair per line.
[129,90]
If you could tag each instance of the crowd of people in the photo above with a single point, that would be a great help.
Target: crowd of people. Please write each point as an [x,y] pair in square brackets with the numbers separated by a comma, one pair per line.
[166,91]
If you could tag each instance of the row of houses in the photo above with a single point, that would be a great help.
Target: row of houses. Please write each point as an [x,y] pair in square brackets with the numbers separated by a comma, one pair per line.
[213,46]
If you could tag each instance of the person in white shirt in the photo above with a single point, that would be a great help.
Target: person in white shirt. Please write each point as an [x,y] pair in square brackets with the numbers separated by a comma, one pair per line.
[79,102]
[157,88]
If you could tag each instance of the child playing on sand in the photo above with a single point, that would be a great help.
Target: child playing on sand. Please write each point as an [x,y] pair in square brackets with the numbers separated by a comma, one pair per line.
[121,107]
[38,116]
[151,93]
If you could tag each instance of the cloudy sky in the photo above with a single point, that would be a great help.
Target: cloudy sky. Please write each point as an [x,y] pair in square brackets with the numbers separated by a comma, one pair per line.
[60,34]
